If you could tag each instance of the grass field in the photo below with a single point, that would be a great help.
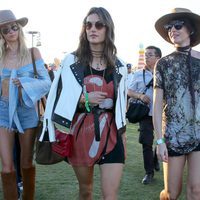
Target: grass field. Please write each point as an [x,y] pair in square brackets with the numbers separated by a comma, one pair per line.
[58,182]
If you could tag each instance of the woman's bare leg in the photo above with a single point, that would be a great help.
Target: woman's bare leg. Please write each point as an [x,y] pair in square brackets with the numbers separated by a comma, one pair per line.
[193,180]
[8,174]
[110,180]
[6,150]
[85,179]
[27,142]
[173,172]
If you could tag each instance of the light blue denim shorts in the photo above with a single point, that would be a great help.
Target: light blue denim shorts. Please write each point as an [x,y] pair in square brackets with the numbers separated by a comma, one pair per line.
[27,116]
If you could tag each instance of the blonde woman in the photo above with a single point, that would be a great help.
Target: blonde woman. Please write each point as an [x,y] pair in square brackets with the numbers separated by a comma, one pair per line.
[20,92]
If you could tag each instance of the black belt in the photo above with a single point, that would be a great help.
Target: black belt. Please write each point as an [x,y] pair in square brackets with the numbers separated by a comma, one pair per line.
[97,112]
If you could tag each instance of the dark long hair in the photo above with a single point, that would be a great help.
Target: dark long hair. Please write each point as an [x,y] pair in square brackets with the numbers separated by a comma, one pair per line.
[83,51]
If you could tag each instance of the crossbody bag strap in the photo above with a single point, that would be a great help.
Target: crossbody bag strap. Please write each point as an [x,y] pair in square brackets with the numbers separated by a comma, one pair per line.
[34,65]
[43,101]
[149,84]
[144,77]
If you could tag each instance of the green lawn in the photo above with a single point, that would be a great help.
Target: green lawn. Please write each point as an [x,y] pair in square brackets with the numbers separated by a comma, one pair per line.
[58,182]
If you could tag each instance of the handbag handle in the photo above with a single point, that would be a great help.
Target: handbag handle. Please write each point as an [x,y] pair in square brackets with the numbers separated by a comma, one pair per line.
[36,76]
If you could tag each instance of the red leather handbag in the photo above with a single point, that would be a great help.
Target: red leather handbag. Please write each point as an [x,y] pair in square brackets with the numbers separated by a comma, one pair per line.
[64,143]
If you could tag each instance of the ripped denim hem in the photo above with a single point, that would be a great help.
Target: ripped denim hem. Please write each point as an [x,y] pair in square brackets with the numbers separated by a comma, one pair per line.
[9,129]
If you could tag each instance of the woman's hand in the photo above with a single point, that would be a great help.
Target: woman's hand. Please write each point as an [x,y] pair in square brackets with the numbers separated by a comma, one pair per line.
[97,97]
[162,152]
[17,82]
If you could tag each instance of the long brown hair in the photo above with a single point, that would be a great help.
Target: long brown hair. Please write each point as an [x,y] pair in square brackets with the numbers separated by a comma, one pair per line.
[83,51]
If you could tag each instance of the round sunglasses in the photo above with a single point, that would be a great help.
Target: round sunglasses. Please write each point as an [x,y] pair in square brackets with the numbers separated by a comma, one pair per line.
[7,30]
[98,25]
[178,25]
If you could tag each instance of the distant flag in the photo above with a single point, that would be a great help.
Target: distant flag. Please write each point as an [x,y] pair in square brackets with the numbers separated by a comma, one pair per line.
[141,57]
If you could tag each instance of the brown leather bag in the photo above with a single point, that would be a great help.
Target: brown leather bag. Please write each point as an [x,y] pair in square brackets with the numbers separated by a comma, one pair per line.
[44,154]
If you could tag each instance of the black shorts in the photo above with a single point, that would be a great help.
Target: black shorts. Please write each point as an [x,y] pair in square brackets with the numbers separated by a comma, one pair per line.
[116,155]
[172,153]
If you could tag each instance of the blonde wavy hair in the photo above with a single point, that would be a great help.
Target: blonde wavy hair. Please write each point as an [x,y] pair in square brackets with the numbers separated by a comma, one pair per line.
[23,50]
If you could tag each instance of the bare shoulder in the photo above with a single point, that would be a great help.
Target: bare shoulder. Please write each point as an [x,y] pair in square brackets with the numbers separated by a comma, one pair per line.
[196,54]
[36,53]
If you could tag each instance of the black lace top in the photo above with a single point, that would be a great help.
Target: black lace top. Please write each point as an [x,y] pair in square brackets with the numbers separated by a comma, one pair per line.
[181,119]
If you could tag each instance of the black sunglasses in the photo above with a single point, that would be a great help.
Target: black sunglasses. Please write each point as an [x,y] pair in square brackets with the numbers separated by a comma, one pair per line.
[178,25]
[7,30]
[98,25]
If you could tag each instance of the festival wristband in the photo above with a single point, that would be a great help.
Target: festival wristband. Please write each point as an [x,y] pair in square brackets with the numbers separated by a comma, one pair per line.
[87,105]
[160,141]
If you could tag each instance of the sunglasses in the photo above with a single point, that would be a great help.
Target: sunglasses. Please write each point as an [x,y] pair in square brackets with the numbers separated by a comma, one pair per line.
[178,25]
[98,25]
[7,30]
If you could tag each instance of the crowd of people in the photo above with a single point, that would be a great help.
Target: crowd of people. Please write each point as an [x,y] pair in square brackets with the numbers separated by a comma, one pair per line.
[102,85]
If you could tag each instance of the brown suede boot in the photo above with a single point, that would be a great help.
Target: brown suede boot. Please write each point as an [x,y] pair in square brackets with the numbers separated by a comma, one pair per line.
[9,184]
[28,178]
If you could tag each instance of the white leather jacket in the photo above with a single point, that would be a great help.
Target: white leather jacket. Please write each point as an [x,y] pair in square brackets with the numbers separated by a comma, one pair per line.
[72,75]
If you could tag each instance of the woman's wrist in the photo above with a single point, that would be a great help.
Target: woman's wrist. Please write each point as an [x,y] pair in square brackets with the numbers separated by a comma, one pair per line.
[160,141]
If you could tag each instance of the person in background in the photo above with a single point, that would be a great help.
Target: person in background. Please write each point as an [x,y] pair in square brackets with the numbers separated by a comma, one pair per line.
[20,91]
[140,79]
[50,71]
[129,75]
[54,67]
[129,78]
[176,112]
[95,113]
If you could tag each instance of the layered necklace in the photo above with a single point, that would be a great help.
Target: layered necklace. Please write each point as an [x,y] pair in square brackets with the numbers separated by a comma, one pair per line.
[98,63]
[97,55]
[103,76]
